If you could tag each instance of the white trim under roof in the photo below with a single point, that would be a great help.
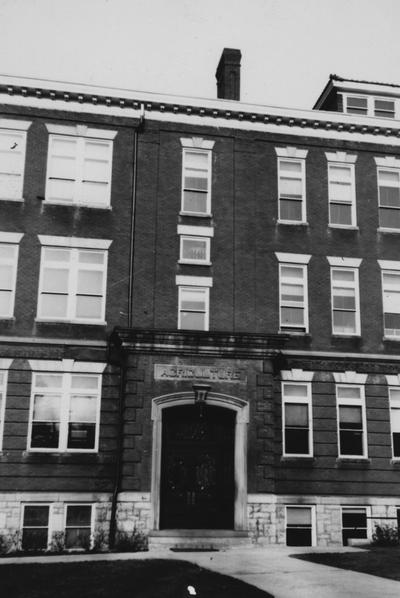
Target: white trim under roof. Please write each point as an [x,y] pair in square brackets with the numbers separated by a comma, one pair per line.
[197,142]
[291,152]
[293,258]
[14,124]
[80,131]
[342,157]
[53,241]
[388,162]
[194,281]
[67,365]
[345,262]
[10,237]
[198,231]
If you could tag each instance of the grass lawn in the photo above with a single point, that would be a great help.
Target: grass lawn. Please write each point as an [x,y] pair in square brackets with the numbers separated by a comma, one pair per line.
[152,578]
[375,560]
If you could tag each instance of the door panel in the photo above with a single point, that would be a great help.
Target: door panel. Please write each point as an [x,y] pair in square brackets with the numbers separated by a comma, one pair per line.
[197,473]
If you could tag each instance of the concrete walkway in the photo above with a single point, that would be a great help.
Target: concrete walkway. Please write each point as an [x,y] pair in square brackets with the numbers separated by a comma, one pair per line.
[271,569]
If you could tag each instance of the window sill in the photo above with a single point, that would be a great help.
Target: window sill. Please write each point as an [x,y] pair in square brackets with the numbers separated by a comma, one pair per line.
[7,318]
[195,214]
[395,461]
[194,263]
[72,204]
[340,460]
[58,453]
[388,230]
[392,338]
[292,223]
[293,332]
[343,227]
[83,322]
[337,335]
[297,458]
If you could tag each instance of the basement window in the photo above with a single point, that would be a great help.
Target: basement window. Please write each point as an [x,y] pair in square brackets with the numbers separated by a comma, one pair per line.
[300,526]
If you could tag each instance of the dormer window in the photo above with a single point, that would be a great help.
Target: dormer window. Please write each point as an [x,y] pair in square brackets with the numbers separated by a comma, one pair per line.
[384,108]
[356,105]
[369,106]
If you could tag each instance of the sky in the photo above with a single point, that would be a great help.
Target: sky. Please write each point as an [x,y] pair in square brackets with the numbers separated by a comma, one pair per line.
[289,47]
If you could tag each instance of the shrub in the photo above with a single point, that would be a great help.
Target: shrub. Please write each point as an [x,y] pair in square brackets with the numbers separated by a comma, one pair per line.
[57,542]
[10,543]
[135,541]
[385,535]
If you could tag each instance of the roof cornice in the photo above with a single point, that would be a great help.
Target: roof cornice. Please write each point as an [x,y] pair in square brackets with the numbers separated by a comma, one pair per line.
[227,113]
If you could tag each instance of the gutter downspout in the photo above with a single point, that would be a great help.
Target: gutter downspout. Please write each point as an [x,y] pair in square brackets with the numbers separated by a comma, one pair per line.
[122,373]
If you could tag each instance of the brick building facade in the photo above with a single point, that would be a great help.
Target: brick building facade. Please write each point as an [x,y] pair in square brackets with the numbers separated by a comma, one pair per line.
[200,315]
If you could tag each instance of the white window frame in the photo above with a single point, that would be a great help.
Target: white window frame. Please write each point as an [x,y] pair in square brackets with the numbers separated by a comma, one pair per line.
[50,522]
[18,128]
[313,521]
[74,246]
[295,155]
[394,403]
[389,267]
[367,511]
[397,186]
[207,246]
[384,99]
[305,401]
[206,292]
[185,152]
[346,265]
[300,261]
[351,402]
[347,96]
[370,104]
[92,520]
[342,160]
[93,370]
[4,369]
[11,239]
[82,134]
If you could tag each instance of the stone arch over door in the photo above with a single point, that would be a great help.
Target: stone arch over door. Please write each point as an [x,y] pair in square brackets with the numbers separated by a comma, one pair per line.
[241,407]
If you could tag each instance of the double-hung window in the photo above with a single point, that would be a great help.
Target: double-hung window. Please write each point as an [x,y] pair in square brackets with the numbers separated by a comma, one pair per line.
[196,176]
[341,184]
[79,166]
[193,302]
[293,296]
[35,527]
[345,296]
[352,425]
[394,401]
[297,419]
[367,105]
[72,284]
[78,526]
[354,523]
[300,526]
[195,243]
[9,249]
[391,298]
[12,157]
[388,173]
[384,108]
[65,407]
[356,104]
[4,366]
[291,185]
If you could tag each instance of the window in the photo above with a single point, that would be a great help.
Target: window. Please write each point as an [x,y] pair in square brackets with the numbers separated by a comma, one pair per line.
[384,108]
[4,365]
[194,250]
[389,197]
[342,207]
[354,523]
[356,105]
[193,308]
[394,401]
[65,409]
[300,526]
[8,272]
[297,419]
[12,157]
[35,527]
[79,166]
[78,526]
[391,298]
[345,298]
[291,190]
[351,421]
[196,182]
[293,298]
[72,285]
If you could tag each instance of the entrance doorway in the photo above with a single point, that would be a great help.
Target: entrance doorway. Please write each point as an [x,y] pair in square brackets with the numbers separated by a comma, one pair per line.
[197,468]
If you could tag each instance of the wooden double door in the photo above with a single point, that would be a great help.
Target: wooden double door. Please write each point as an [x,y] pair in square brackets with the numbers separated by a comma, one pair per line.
[197,468]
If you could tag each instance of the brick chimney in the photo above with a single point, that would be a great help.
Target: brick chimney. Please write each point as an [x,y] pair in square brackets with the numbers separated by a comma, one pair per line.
[228,75]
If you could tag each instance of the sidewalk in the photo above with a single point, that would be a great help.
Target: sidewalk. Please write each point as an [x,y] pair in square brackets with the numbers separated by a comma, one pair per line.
[271,569]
